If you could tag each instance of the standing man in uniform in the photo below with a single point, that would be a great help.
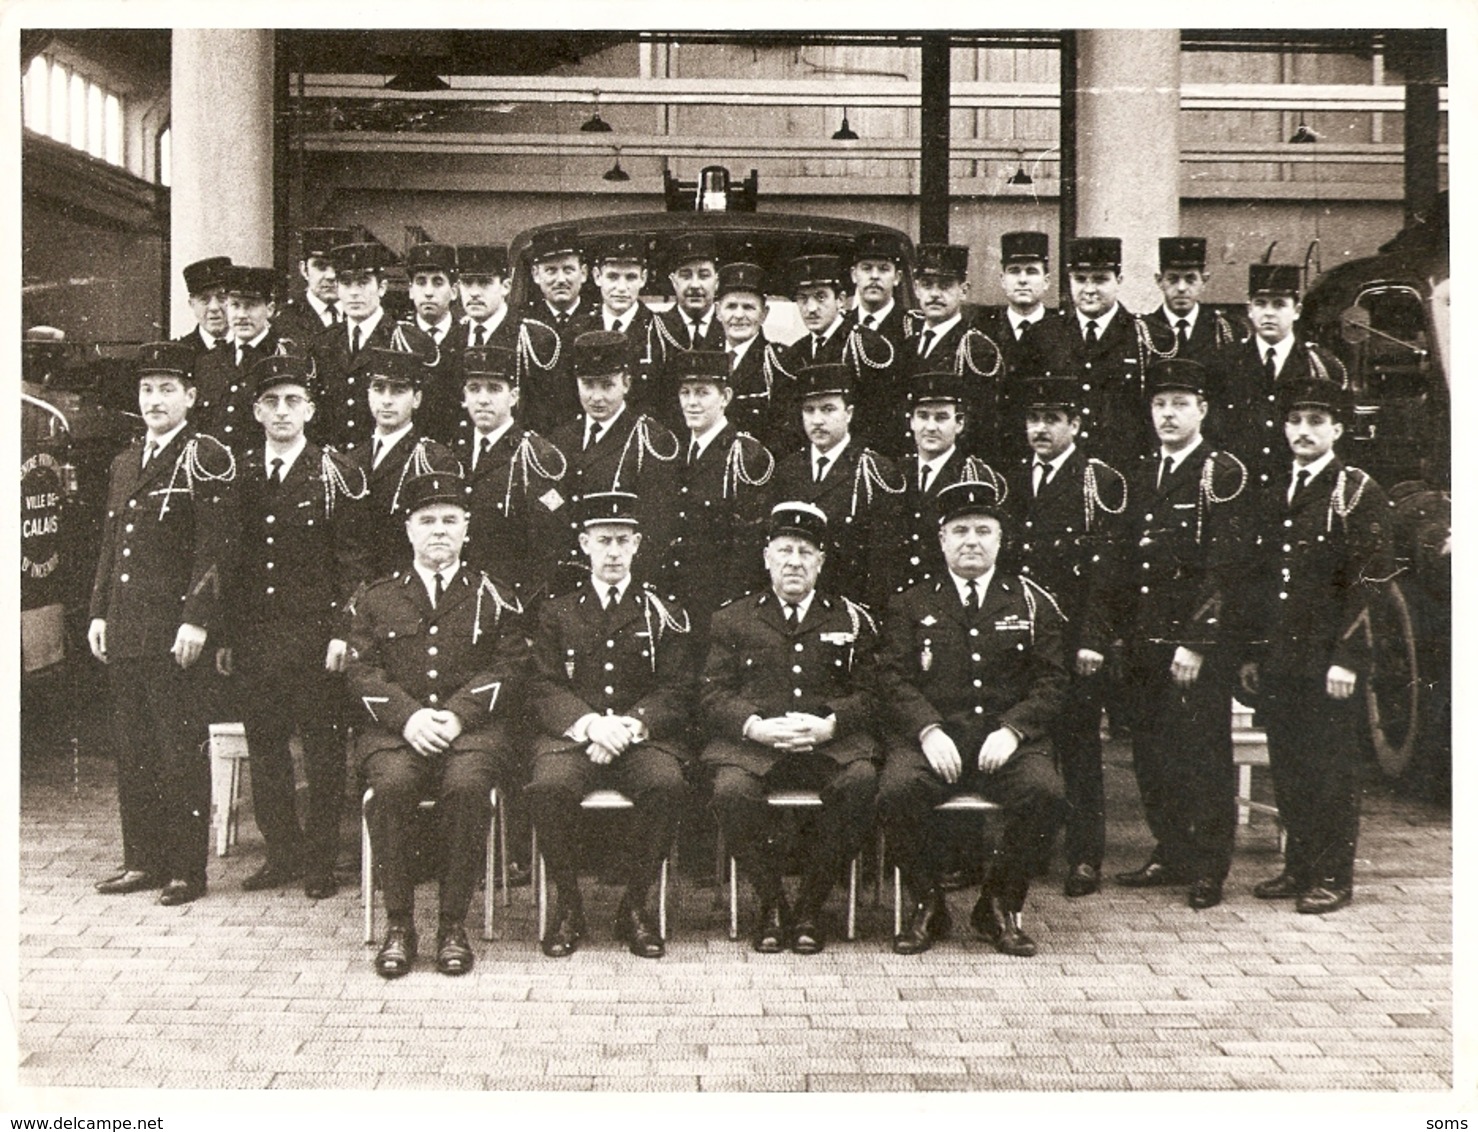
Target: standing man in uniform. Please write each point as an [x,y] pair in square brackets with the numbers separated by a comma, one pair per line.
[971,678]
[1069,512]
[1188,505]
[303,320]
[877,270]
[1249,374]
[1199,332]
[1327,553]
[610,447]
[437,657]
[692,265]
[1025,277]
[432,272]
[560,273]
[789,695]
[167,548]
[613,680]
[341,353]
[287,624]
[619,267]
[858,491]
[1108,348]
[393,453]
[226,388]
[515,489]
[944,343]
[205,282]
[742,309]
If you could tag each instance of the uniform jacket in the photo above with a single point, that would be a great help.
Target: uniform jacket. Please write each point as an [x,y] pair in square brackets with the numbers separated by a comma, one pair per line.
[922,557]
[1116,423]
[549,394]
[382,524]
[862,496]
[1070,539]
[718,538]
[168,544]
[468,655]
[757,408]
[441,412]
[517,498]
[647,395]
[875,365]
[756,666]
[226,392]
[1212,333]
[1324,559]
[972,672]
[297,320]
[634,453]
[301,558]
[1187,579]
[994,322]
[195,338]
[973,355]
[1244,411]
[343,418]
[632,661]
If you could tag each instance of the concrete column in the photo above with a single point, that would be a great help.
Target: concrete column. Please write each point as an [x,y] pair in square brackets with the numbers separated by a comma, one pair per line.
[1128,135]
[221,123]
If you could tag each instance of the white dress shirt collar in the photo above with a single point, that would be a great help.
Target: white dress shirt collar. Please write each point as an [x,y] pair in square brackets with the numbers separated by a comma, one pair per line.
[492,437]
[1102,320]
[602,589]
[437,330]
[366,328]
[389,440]
[428,578]
[802,607]
[1190,319]
[982,584]
[162,442]
[943,328]
[289,457]
[878,316]
[1281,350]
[831,457]
[1314,467]
[707,438]
[1179,458]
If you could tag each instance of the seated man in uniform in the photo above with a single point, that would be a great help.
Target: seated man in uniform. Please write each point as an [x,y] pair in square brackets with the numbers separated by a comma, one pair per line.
[611,688]
[436,656]
[788,693]
[970,679]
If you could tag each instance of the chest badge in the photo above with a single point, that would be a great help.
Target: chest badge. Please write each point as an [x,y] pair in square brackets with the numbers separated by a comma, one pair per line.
[926,657]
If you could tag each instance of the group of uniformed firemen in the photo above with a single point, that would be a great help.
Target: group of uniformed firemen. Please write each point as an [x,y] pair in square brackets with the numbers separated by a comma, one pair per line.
[531,553]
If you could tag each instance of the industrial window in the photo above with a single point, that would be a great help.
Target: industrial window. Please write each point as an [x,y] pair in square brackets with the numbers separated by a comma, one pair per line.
[73,109]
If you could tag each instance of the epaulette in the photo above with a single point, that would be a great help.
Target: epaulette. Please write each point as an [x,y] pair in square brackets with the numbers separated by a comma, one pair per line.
[965,357]
[213,457]
[1093,494]
[1046,593]
[858,613]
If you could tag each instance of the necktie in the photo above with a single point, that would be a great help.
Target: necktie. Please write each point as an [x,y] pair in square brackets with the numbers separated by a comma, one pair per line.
[274,477]
[1090,334]
[613,597]
[926,343]
[240,354]
[870,321]
[1301,482]
[692,335]
[1166,467]
[440,590]
[562,319]
[479,334]
[377,452]
[333,314]
[821,462]
[484,449]
[926,476]
[817,341]
[592,433]
[972,596]
[354,333]
[1182,334]
[792,614]
[149,454]
[733,358]
[1019,329]
[1270,365]
[692,450]
[1039,477]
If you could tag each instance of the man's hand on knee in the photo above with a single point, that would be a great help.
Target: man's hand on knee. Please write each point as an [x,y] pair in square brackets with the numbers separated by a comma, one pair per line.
[942,753]
[426,733]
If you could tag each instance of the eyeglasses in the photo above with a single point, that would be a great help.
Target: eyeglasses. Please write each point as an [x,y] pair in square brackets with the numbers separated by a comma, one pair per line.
[274,400]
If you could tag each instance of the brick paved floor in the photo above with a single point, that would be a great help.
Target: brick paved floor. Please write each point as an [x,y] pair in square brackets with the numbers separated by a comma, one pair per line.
[1131,991]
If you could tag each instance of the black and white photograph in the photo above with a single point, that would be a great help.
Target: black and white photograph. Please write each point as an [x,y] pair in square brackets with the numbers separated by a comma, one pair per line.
[827,550]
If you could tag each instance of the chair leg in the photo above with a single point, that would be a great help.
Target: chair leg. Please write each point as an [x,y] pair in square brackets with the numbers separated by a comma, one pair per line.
[877,891]
[897,900]
[733,898]
[367,869]
[852,878]
[490,871]
[662,900]
[541,895]
[503,851]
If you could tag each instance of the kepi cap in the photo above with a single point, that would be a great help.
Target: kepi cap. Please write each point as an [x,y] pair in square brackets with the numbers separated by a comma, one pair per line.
[1316,392]
[320,241]
[1175,374]
[698,365]
[815,271]
[1274,279]
[204,274]
[827,380]
[1055,392]
[1182,252]
[798,518]
[432,487]
[877,245]
[431,257]
[933,388]
[167,357]
[551,242]
[609,507]
[490,361]
[599,353]
[395,365]
[284,369]
[475,260]
[971,497]
[689,247]
[1017,247]
[748,277]
[252,282]
[949,261]
[1094,251]
[357,257]
[616,249]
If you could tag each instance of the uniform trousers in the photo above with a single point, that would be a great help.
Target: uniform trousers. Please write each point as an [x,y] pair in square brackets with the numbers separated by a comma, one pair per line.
[1312,748]
[274,701]
[1075,738]
[841,826]
[460,780]
[650,776]
[1027,787]
[1183,762]
[159,730]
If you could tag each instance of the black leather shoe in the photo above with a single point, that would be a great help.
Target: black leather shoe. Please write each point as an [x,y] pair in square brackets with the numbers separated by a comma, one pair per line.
[1281,887]
[181,892]
[1151,874]
[1082,880]
[320,886]
[929,921]
[773,934]
[636,929]
[568,931]
[129,880]
[396,954]
[453,953]
[806,937]
[1325,898]
[271,875]
[1001,929]
[1205,893]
